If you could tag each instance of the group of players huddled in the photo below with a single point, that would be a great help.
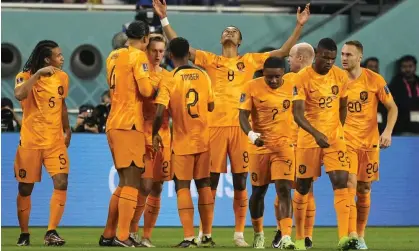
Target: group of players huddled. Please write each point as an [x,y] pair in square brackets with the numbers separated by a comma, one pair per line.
[280,127]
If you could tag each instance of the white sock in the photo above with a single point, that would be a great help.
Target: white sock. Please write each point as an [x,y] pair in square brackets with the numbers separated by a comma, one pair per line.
[238,235]
[207,235]
[189,238]
[200,234]
[260,233]
[285,236]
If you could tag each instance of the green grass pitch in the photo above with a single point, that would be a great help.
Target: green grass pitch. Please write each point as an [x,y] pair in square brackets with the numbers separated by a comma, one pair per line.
[86,239]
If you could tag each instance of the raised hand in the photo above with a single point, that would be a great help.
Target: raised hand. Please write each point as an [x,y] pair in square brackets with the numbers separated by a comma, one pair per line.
[302,17]
[160,8]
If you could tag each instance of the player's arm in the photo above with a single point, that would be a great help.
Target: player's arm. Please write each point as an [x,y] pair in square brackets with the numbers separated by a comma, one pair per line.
[298,109]
[66,123]
[386,98]
[343,109]
[142,78]
[162,101]
[211,104]
[246,104]
[161,9]
[22,89]
[244,121]
[302,18]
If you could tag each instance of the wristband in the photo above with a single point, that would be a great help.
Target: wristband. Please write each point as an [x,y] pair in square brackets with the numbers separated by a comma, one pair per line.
[253,136]
[164,22]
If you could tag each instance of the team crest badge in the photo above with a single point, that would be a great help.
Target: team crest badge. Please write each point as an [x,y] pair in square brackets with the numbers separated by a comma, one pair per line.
[363,96]
[335,89]
[60,90]
[19,80]
[302,169]
[145,67]
[22,173]
[286,104]
[242,97]
[240,66]
[254,177]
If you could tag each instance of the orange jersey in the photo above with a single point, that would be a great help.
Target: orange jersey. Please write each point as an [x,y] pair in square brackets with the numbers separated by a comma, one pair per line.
[321,94]
[361,127]
[270,113]
[228,75]
[42,125]
[189,92]
[127,74]
[149,110]
[293,127]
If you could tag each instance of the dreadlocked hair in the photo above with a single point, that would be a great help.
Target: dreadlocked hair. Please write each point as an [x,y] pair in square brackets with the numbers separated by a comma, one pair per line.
[37,58]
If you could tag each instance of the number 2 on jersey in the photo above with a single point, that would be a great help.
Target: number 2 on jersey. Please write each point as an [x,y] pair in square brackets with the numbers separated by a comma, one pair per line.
[191,105]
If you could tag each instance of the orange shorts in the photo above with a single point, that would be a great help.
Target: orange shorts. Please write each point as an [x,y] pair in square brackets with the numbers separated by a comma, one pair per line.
[267,167]
[28,162]
[364,163]
[309,160]
[193,166]
[157,167]
[232,141]
[127,147]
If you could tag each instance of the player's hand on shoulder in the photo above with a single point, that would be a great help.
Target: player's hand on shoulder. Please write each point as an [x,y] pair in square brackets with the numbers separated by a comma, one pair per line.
[160,7]
[47,71]
[303,16]
[259,142]
[385,139]
[157,142]
[321,140]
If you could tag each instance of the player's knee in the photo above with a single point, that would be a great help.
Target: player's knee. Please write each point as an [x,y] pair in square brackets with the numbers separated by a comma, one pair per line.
[201,183]
[181,184]
[60,181]
[303,186]
[215,177]
[156,189]
[259,191]
[25,189]
[284,189]
[145,186]
[363,187]
[239,181]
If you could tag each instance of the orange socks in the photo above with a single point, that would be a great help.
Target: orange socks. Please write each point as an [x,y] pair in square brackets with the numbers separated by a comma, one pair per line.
[111,223]
[126,208]
[310,216]
[240,206]
[151,212]
[363,206]
[286,226]
[342,211]
[23,212]
[206,209]
[276,208]
[257,225]
[352,210]
[57,204]
[139,209]
[186,211]
[299,203]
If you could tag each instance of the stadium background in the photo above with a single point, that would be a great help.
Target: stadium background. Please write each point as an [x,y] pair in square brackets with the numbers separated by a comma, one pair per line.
[388,37]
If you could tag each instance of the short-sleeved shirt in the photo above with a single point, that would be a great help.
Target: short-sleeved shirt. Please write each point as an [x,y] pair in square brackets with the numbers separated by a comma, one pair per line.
[270,111]
[361,127]
[228,75]
[42,125]
[187,94]
[127,69]
[293,127]
[149,110]
[321,95]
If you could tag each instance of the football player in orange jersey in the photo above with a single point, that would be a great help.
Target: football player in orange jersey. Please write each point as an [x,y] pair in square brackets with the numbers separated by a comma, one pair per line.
[271,157]
[365,90]
[189,97]
[301,55]
[41,89]
[229,72]
[320,98]
[129,84]
[157,168]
